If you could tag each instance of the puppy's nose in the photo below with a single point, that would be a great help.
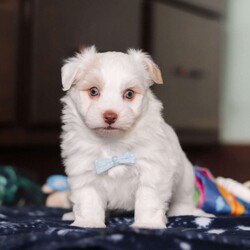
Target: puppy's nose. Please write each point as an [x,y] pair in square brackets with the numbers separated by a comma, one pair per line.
[110,117]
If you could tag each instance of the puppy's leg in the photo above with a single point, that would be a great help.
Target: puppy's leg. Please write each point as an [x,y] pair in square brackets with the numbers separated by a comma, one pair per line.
[88,208]
[153,195]
[149,209]
[185,205]
[183,202]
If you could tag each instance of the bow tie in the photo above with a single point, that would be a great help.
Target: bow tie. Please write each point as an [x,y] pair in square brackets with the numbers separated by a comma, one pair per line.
[103,165]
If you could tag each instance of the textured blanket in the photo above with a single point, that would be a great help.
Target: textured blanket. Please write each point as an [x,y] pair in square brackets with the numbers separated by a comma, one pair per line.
[42,228]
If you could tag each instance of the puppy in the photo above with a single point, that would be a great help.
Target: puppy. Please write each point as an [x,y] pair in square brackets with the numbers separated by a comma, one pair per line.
[118,152]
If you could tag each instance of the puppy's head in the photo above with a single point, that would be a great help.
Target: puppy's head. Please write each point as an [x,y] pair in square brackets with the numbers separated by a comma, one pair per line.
[112,87]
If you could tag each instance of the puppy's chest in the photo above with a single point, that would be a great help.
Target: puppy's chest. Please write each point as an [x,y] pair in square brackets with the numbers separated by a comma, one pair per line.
[120,182]
[120,185]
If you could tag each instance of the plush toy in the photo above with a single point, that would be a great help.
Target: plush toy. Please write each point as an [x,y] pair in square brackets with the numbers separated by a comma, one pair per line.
[238,189]
[57,189]
[247,184]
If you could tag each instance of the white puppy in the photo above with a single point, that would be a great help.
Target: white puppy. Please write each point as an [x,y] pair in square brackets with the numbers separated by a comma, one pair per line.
[118,151]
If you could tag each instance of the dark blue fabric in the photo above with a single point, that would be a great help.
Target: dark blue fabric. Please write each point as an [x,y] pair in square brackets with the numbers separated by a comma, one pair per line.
[43,229]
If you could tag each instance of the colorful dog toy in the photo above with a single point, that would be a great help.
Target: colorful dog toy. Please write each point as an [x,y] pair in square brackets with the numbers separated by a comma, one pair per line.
[218,197]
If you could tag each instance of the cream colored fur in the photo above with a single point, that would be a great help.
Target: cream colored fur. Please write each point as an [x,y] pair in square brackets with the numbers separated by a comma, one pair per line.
[162,180]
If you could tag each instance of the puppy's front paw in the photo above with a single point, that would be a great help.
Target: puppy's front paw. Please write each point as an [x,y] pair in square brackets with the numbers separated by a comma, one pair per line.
[88,224]
[149,225]
[68,216]
[199,212]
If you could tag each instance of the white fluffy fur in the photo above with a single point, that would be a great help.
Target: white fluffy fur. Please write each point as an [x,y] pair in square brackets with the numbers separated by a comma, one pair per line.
[162,180]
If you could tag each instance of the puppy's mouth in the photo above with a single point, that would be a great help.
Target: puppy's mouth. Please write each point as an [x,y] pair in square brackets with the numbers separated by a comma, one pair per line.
[109,129]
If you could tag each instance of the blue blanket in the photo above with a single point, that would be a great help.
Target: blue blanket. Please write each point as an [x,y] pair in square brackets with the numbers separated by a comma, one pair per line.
[42,228]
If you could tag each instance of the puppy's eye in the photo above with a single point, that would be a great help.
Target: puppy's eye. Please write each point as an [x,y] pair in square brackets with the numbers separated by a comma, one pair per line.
[129,94]
[94,91]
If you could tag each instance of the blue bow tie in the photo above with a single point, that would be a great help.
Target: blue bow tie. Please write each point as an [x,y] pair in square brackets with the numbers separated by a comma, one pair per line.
[103,165]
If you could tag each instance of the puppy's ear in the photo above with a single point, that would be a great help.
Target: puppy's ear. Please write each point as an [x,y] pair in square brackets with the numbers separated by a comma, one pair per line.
[73,65]
[150,66]
[69,71]
[153,70]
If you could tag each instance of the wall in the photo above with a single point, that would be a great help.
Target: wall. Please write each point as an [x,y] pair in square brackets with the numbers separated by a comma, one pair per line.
[235,92]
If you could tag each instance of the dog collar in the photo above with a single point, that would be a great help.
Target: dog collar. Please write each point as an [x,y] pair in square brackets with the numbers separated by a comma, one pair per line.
[103,165]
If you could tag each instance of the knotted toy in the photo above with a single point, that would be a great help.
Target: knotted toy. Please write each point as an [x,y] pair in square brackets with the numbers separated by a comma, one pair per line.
[18,188]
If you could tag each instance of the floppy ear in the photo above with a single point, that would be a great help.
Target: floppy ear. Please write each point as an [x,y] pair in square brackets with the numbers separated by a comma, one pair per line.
[72,65]
[154,71]
[68,71]
[150,66]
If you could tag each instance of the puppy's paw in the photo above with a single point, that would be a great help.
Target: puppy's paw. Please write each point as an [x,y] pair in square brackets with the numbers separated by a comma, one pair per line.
[149,225]
[88,224]
[68,216]
[199,212]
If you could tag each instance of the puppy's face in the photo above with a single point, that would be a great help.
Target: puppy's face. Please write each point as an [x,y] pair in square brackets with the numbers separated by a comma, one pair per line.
[112,88]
